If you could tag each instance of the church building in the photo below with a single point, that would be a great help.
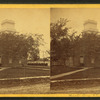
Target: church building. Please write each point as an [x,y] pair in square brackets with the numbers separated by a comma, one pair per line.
[6,27]
[82,56]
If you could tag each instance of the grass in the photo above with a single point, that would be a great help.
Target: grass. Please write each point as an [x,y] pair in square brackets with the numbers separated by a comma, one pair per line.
[78,84]
[22,72]
[32,66]
[13,74]
[42,88]
[89,73]
[55,70]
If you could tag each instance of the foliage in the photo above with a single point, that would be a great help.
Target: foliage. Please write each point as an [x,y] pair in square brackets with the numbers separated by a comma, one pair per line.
[58,29]
[17,46]
[65,44]
[91,43]
[62,42]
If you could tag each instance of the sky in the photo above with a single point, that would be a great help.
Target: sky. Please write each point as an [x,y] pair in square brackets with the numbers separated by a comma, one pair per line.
[30,20]
[77,16]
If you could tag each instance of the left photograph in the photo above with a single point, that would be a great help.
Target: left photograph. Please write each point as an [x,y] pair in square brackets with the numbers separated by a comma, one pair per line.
[24,50]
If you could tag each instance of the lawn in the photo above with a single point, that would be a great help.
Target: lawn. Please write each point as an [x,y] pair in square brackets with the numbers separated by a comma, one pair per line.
[42,67]
[41,88]
[55,70]
[89,73]
[23,72]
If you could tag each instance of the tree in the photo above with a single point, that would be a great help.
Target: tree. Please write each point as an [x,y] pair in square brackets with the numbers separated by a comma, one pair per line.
[91,43]
[59,30]
[35,42]
[62,42]
[16,47]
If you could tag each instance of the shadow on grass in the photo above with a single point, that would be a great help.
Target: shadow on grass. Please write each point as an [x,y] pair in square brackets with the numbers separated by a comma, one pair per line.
[22,82]
[79,84]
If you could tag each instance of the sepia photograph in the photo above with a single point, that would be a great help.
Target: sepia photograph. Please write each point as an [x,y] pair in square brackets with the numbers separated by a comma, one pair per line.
[75,50]
[24,50]
[49,51]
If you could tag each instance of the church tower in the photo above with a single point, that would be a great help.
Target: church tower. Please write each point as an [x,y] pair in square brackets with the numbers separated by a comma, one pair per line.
[8,26]
[90,26]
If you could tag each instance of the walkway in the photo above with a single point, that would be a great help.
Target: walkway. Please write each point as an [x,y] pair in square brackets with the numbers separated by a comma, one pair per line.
[68,73]
[39,68]
[4,68]
[23,78]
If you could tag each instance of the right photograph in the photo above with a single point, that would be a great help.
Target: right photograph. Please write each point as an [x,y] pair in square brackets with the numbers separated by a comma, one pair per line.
[75,50]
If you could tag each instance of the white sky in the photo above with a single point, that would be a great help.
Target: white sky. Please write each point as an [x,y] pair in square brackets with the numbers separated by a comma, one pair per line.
[77,16]
[30,20]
